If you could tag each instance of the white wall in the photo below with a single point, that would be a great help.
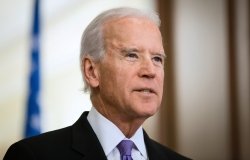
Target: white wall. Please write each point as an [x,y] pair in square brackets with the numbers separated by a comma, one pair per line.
[201,70]
[243,60]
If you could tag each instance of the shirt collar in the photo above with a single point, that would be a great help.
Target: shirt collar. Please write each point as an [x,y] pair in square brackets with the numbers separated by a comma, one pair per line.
[138,140]
[105,130]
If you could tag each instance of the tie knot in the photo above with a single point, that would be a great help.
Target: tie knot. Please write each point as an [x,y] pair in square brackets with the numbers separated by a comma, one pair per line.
[125,147]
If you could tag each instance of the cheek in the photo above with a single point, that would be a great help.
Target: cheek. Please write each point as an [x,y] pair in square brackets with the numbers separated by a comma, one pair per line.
[160,79]
[112,78]
[160,82]
[105,79]
[122,75]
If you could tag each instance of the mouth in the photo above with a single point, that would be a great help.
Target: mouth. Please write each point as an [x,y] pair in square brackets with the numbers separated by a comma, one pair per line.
[146,90]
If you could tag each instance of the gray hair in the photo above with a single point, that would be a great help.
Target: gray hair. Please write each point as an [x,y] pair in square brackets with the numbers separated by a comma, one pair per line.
[92,42]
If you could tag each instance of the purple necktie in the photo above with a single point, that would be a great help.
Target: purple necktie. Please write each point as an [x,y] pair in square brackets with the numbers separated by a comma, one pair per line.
[125,148]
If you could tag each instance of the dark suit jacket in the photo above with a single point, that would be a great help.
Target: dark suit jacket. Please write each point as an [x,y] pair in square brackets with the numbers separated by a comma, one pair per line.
[76,142]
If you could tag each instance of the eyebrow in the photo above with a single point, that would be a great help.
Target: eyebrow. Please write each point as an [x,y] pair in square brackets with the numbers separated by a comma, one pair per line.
[129,50]
[134,49]
[163,55]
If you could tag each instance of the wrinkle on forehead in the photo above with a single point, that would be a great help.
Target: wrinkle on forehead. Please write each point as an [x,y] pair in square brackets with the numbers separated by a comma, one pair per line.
[121,24]
[132,32]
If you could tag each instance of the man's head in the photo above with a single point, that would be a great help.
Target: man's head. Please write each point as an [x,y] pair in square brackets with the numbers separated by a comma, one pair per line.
[123,63]
[92,43]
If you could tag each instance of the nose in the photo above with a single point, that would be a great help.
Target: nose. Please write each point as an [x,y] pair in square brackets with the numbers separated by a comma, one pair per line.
[147,69]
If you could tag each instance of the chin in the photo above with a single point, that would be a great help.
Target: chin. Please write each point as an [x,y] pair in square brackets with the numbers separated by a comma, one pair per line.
[148,110]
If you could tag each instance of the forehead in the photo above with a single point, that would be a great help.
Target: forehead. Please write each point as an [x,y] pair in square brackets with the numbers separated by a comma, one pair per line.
[133,31]
[128,24]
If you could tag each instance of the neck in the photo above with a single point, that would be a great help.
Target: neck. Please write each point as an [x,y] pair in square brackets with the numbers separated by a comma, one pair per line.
[126,123]
[128,126]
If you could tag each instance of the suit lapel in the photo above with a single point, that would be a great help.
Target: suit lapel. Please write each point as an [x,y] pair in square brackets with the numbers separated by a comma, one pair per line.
[153,152]
[85,141]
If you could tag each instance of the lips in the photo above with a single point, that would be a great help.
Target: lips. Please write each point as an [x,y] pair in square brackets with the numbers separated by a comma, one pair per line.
[145,90]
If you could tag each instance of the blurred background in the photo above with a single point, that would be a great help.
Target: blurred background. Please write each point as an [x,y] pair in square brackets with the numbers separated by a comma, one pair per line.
[205,111]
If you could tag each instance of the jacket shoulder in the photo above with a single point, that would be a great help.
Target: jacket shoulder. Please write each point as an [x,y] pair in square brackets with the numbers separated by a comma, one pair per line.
[159,151]
[44,146]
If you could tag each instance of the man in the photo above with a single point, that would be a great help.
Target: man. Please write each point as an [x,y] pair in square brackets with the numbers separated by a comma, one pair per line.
[122,63]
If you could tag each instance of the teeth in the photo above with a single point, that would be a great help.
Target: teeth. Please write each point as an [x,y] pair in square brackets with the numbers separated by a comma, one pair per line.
[146,91]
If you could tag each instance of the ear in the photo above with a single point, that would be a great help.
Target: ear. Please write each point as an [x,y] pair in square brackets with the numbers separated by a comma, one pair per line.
[91,73]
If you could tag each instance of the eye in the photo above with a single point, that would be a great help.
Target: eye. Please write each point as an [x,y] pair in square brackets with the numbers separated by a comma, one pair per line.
[132,56]
[158,59]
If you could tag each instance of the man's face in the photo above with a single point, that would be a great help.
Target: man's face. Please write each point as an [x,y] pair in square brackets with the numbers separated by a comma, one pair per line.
[131,73]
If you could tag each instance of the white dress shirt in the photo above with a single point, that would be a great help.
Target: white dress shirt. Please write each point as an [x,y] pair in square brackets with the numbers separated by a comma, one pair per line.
[110,136]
